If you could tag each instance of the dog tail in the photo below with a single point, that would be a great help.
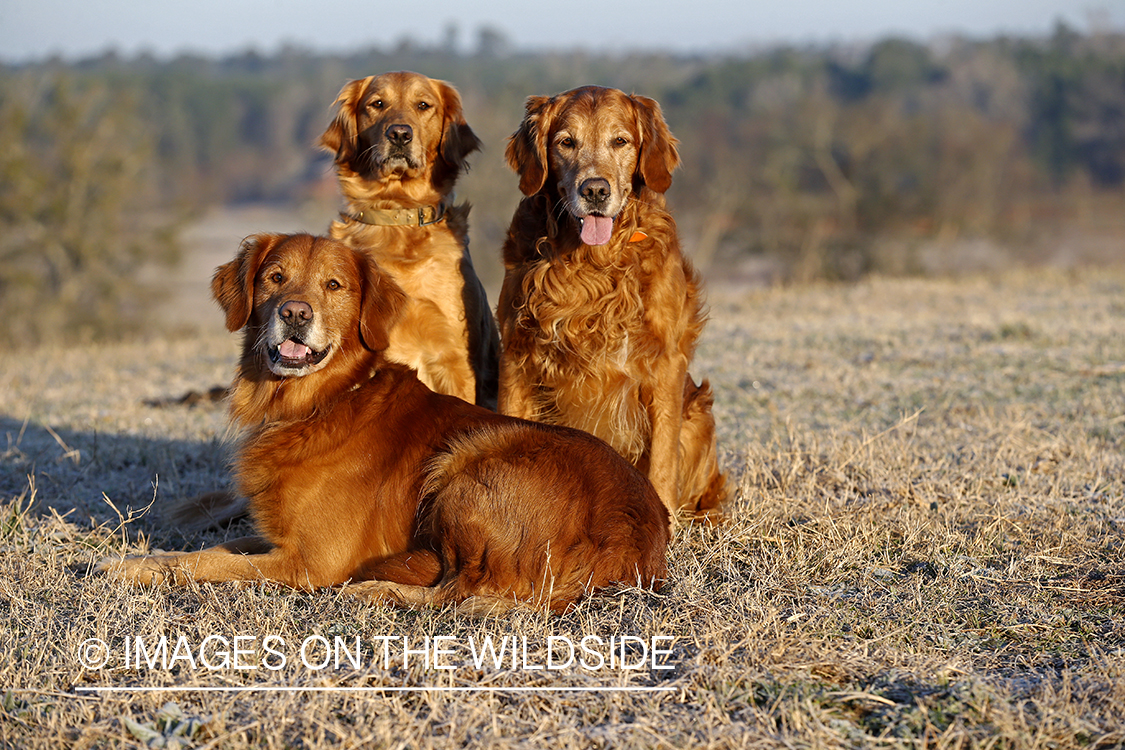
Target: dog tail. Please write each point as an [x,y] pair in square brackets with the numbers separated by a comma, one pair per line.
[207,511]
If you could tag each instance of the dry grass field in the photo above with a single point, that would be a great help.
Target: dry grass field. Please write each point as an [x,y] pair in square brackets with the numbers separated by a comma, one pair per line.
[926,550]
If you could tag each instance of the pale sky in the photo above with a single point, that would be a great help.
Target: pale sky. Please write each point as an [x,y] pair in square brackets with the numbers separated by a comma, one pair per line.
[33,29]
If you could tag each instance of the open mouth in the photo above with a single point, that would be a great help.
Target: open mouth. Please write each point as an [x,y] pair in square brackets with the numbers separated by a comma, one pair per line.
[295,354]
[596,230]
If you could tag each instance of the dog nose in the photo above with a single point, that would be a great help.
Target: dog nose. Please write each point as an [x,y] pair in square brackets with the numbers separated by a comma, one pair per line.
[595,189]
[400,135]
[296,312]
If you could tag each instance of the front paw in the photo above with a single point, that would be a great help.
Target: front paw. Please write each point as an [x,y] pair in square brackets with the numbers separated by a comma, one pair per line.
[146,571]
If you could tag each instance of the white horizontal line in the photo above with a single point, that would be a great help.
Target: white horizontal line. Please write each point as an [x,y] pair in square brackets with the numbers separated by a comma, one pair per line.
[388,689]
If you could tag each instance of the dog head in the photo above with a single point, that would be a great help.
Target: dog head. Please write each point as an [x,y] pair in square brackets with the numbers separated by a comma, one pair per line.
[595,146]
[307,304]
[401,126]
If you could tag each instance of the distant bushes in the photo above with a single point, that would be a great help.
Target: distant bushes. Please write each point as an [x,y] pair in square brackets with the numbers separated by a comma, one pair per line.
[77,219]
[825,159]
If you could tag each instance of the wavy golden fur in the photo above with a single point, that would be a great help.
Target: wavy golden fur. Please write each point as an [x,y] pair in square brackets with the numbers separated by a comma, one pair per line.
[357,473]
[400,140]
[600,311]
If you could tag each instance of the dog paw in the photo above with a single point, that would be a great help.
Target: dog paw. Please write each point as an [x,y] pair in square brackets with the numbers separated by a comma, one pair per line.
[147,571]
[384,591]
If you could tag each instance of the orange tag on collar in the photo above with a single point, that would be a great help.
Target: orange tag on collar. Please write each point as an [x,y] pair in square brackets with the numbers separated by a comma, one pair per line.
[638,236]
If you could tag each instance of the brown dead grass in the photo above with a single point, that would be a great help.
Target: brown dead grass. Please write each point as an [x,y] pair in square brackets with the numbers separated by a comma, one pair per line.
[926,549]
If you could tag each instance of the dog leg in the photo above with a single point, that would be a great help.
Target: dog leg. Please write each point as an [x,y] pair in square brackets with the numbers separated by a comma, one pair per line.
[451,374]
[703,488]
[516,395]
[474,607]
[414,568]
[402,594]
[429,340]
[666,408]
[245,559]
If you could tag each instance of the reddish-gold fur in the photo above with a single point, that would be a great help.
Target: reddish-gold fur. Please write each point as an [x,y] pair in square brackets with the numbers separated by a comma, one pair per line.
[600,337]
[446,332]
[356,472]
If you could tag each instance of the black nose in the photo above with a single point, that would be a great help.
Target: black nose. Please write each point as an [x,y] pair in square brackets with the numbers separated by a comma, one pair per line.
[400,135]
[595,189]
[295,312]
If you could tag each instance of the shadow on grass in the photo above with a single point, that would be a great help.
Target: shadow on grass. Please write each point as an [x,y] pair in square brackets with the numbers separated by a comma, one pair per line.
[96,476]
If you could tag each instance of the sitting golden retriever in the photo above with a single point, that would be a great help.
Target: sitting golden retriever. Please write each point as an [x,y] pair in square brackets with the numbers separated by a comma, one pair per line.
[400,141]
[357,472]
[600,311]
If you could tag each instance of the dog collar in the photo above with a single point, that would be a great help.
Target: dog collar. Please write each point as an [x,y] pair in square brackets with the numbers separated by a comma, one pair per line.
[399,217]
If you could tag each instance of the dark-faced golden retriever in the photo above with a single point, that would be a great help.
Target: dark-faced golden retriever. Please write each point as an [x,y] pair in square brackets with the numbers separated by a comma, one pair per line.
[600,311]
[400,140]
[357,472]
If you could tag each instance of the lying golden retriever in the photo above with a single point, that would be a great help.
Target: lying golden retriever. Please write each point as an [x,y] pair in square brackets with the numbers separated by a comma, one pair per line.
[357,472]
[600,311]
[400,141]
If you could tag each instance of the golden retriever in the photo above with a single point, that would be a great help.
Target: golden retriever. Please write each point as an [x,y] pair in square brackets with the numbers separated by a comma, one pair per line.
[400,141]
[600,311]
[357,472]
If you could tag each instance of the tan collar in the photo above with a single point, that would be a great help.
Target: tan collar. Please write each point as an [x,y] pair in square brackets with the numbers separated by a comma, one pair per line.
[400,217]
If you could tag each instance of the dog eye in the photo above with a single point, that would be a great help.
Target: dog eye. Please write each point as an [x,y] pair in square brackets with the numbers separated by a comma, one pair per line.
[423,106]
[377,104]
[277,278]
[333,285]
[620,141]
[567,142]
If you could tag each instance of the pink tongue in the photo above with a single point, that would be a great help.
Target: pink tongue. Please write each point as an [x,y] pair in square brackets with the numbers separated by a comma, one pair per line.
[292,350]
[596,230]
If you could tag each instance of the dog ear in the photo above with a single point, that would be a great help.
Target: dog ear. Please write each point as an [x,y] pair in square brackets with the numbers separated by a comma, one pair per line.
[658,156]
[340,137]
[232,286]
[527,147]
[457,139]
[382,304]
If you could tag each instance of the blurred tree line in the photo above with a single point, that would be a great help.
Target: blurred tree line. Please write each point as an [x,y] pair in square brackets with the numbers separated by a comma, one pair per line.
[830,163]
